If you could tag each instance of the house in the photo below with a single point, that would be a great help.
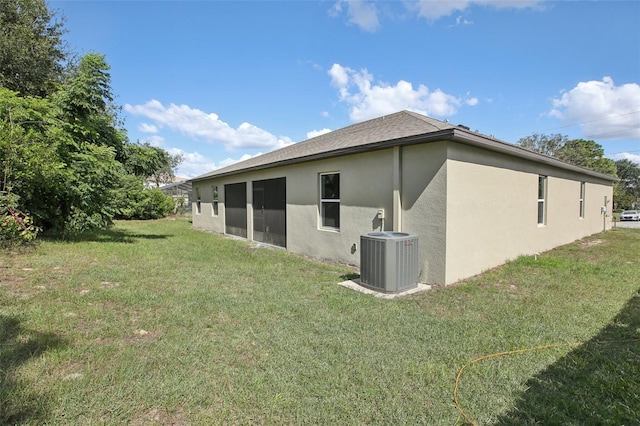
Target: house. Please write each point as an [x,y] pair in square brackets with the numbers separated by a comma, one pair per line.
[474,202]
[181,192]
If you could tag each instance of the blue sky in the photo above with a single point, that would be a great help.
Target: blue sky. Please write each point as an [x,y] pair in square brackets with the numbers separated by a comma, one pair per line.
[221,81]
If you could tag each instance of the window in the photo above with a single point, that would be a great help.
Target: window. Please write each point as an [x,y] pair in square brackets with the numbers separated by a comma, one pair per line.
[582,187]
[214,202]
[198,205]
[542,195]
[330,200]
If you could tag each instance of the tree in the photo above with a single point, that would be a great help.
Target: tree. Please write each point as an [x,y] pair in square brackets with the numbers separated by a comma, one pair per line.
[30,135]
[586,154]
[166,174]
[150,162]
[144,162]
[629,174]
[62,145]
[544,144]
[58,154]
[133,201]
[87,105]
[627,190]
[27,161]
[580,152]
[91,149]
[32,52]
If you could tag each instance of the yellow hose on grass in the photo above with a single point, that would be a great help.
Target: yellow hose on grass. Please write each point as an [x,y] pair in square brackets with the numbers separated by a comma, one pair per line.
[516,351]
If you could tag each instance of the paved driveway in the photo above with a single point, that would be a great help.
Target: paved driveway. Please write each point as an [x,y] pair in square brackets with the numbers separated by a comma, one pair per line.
[627,224]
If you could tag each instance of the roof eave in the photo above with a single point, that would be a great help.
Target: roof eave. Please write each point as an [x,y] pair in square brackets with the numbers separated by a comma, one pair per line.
[410,140]
[475,139]
[453,134]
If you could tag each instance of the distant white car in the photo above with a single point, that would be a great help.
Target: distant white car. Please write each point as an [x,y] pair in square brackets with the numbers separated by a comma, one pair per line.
[630,215]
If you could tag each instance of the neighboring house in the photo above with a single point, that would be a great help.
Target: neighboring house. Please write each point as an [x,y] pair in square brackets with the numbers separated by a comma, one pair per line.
[473,201]
[179,190]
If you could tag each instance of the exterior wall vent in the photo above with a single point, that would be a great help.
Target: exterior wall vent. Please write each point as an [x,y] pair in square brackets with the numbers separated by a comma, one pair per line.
[389,261]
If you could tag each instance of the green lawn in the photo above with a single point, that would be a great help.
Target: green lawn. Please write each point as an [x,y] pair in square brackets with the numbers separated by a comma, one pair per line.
[156,323]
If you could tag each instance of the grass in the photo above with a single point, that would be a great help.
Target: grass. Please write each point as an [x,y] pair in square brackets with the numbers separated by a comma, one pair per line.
[156,323]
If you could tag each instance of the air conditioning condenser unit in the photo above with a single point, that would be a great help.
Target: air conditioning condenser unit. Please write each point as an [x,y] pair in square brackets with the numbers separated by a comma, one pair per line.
[389,261]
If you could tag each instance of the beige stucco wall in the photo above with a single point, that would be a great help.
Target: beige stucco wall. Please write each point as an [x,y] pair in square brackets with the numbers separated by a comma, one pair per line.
[492,214]
[424,205]
[472,209]
[366,186]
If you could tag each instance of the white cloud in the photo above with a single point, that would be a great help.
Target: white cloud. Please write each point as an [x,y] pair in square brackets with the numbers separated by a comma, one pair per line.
[148,128]
[229,161]
[625,156]
[362,13]
[155,140]
[432,10]
[461,21]
[339,75]
[314,133]
[368,99]
[199,125]
[282,142]
[195,164]
[602,109]
[208,127]
[365,14]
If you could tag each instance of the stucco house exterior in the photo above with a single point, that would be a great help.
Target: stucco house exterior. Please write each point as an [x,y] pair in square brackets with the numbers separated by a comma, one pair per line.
[474,202]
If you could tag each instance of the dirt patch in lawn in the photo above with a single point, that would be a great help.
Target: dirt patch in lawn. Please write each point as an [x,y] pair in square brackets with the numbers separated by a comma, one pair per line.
[160,417]
[590,243]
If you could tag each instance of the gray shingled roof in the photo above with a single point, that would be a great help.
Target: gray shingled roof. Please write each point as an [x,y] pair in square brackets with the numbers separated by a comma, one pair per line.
[404,127]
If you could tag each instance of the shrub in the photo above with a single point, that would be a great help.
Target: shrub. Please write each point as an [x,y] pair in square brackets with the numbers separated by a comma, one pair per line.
[155,204]
[133,201]
[180,206]
[16,227]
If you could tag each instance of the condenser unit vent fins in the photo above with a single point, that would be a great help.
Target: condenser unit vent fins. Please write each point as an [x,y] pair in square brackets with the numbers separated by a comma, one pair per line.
[389,261]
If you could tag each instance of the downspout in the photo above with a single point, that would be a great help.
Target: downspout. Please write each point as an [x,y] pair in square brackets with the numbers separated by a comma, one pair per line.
[397,188]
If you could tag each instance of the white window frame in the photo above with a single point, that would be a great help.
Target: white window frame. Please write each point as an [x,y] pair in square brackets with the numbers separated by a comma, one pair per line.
[214,200]
[198,202]
[542,199]
[323,201]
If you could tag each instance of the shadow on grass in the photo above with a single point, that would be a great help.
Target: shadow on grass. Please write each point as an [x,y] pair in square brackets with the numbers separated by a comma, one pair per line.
[350,276]
[112,236]
[597,383]
[19,403]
